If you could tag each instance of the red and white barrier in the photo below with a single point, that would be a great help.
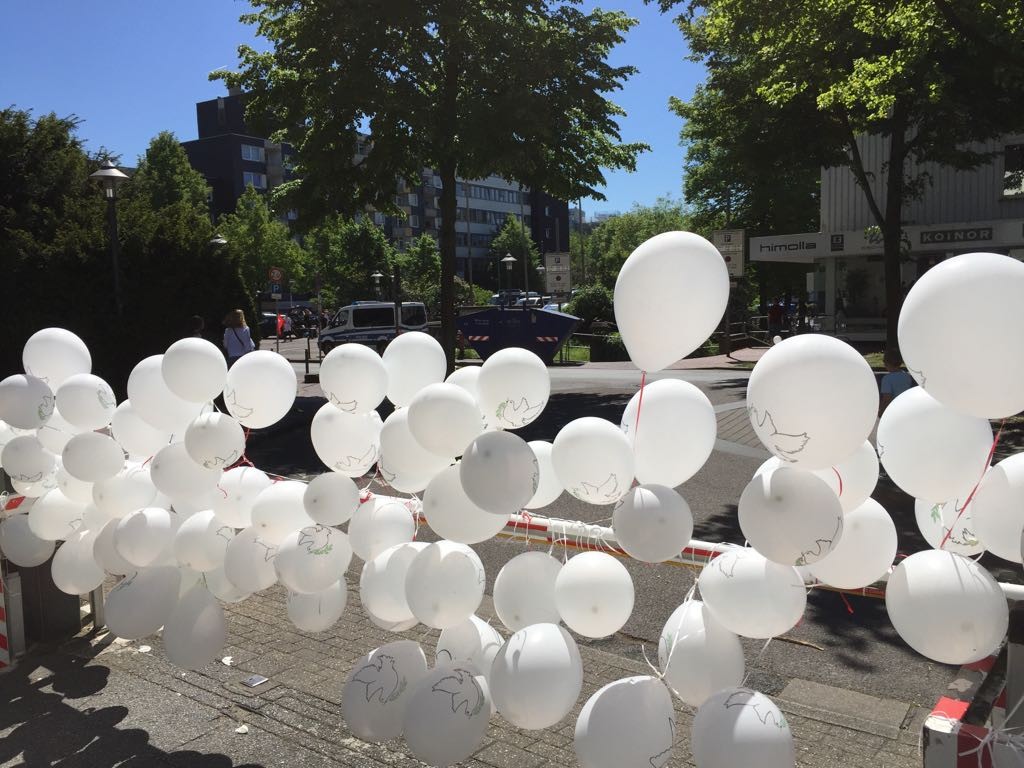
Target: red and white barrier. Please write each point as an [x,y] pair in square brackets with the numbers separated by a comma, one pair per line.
[5,646]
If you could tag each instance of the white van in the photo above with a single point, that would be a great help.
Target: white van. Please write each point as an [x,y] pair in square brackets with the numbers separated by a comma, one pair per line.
[371,323]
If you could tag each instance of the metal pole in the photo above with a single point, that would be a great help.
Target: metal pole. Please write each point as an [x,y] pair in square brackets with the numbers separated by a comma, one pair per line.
[397,290]
[277,336]
[115,250]
[526,250]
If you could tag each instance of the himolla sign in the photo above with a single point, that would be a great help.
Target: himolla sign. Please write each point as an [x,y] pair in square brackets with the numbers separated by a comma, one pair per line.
[946,236]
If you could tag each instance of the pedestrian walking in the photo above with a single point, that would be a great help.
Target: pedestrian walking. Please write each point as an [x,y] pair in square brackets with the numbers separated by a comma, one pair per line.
[237,339]
[895,382]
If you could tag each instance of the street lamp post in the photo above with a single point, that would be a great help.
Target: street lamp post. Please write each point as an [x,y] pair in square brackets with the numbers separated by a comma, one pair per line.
[508,261]
[377,277]
[109,177]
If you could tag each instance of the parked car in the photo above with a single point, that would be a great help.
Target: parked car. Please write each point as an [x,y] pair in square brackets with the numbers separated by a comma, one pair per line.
[371,323]
[268,325]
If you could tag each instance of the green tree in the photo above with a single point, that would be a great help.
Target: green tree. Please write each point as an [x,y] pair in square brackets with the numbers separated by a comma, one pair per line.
[853,67]
[346,253]
[513,240]
[467,87]
[592,303]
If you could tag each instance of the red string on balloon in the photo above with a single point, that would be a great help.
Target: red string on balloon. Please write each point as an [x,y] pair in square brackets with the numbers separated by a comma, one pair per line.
[639,405]
[970,497]
[849,608]
[840,478]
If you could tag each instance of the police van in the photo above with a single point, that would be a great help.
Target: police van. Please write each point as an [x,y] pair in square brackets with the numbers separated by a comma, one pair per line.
[371,323]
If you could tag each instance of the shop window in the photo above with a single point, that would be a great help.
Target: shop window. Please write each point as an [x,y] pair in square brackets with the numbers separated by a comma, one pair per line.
[1013,170]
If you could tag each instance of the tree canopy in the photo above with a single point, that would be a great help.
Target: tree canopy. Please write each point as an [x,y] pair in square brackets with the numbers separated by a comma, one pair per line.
[344,253]
[513,240]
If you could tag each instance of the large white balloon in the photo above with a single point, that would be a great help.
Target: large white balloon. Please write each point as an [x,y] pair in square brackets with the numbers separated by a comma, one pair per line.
[447,715]
[594,594]
[675,433]
[26,460]
[382,583]
[444,419]
[154,402]
[175,474]
[961,337]
[524,591]
[39,487]
[215,440]
[20,545]
[378,690]
[194,370]
[318,611]
[948,526]
[136,435]
[54,355]
[196,631]
[669,297]
[865,551]
[652,523]
[514,386]
[537,676]
[929,450]
[54,516]
[104,549]
[853,480]
[812,400]
[737,726]
[92,457]
[697,655]
[130,489]
[752,596]
[452,515]
[74,569]
[378,525]
[548,487]
[260,389]
[444,584]
[221,587]
[55,433]
[86,401]
[347,443]
[474,641]
[278,510]
[25,401]
[998,508]
[201,542]
[141,603]
[354,378]
[142,535]
[413,360]
[790,516]
[593,460]
[249,561]
[236,493]
[405,464]
[499,472]
[466,377]
[629,722]
[946,607]
[312,558]
[331,498]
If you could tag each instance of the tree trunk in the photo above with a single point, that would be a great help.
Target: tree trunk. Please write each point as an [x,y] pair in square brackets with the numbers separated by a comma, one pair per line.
[448,212]
[892,228]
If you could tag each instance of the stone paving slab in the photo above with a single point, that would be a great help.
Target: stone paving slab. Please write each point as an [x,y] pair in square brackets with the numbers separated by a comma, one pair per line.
[856,711]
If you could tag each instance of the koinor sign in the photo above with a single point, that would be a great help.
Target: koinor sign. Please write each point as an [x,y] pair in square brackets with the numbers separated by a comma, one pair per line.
[944,236]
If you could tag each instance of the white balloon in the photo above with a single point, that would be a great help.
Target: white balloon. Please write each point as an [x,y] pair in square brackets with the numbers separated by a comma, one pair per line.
[444,584]
[413,360]
[215,440]
[473,641]
[652,523]
[175,474]
[738,726]
[853,480]
[378,690]
[998,508]
[196,631]
[675,434]
[447,715]
[451,514]
[194,370]
[92,457]
[752,596]
[524,591]
[20,545]
[466,377]
[94,519]
[629,722]
[594,594]
[74,569]
[548,487]
[444,419]
[54,516]
[104,550]
[249,561]
[865,551]
[260,389]
[25,401]
[201,542]
[347,443]
[499,473]
[310,559]
[39,487]
[790,516]
[221,587]
[56,432]
[405,464]
[154,403]
[72,487]
[141,603]
[959,333]
[593,460]
[812,400]
[514,386]
[929,450]
[54,355]
[537,676]
[697,655]
[278,510]
[331,499]
[382,583]
[669,297]
[142,535]
[130,489]
[317,611]
[354,378]
[136,435]
[946,607]
[378,525]
[86,401]
[390,626]
[8,433]
[26,460]
[236,493]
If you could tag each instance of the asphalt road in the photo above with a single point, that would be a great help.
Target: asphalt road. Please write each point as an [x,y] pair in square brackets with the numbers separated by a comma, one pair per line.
[849,644]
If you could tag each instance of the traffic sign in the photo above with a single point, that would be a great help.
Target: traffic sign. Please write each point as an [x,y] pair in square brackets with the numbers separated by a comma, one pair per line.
[557,273]
[731,243]
[275,291]
[276,275]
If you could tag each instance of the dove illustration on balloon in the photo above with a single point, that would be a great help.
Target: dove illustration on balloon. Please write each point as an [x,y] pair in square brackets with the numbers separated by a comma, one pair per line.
[783,444]
[517,414]
[743,698]
[316,539]
[221,461]
[46,407]
[361,462]
[607,490]
[381,679]
[105,396]
[348,406]
[658,760]
[237,409]
[466,696]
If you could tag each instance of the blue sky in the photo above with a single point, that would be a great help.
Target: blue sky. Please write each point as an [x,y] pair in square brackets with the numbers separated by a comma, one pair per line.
[131,68]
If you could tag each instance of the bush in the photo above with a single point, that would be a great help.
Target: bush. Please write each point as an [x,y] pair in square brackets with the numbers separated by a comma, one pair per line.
[593,303]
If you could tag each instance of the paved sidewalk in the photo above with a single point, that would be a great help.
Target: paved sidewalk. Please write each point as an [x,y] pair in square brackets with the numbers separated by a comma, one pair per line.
[100,702]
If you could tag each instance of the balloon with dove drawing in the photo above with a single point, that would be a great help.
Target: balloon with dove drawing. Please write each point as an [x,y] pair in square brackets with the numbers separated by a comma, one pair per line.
[738,726]
[378,690]
[513,386]
[593,460]
[54,355]
[353,378]
[25,401]
[447,715]
[628,722]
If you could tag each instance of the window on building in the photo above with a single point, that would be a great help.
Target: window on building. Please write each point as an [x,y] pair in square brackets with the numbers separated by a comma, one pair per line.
[378,218]
[414,199]
[292,215]
[414,221]
[1013,170]
[547,234]
[460,238]
[258,180]
[253,153]
[547,210]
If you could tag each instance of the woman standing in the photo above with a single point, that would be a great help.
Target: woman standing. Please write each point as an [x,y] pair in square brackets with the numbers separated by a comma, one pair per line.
[237,340]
